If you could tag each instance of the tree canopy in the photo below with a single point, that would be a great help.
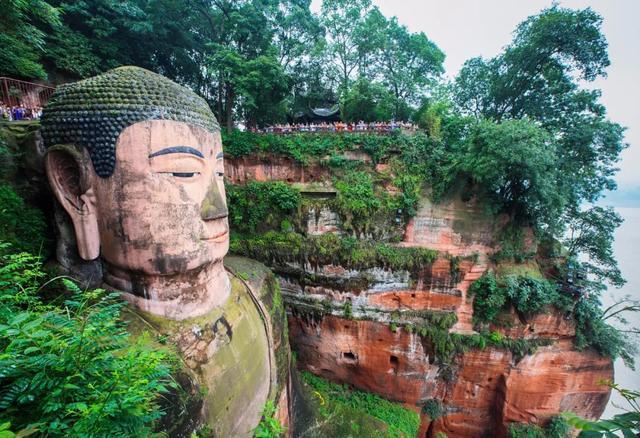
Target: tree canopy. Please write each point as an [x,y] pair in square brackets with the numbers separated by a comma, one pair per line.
[257,62]
[541,135]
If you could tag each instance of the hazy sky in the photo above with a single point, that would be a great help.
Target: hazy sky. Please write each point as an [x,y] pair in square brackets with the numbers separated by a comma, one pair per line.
[467,28]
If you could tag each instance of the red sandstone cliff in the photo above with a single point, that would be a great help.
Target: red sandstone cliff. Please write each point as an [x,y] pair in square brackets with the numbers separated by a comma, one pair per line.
[482,390]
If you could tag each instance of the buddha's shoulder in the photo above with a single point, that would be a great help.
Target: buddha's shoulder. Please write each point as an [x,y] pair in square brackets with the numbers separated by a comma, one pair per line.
[254,298]
[253,277]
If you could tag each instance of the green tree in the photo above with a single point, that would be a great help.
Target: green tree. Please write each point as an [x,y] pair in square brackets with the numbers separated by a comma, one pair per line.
[514,163]
[21,37]
[366,101]
[591,233]
[342,20]
[538,76]
[407,63]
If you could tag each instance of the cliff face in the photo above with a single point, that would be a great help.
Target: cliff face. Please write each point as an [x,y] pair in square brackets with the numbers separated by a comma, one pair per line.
[372,334]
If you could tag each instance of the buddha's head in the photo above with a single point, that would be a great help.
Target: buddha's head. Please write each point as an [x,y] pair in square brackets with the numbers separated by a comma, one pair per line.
[136,161]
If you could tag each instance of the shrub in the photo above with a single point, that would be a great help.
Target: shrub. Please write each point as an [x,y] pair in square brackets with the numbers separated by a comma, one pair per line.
[269,426]
[489,298]
[593,332]
[530,295]
[72,369]
[521,430]
[21,225]
[261,205]
[433,408]
[557,427]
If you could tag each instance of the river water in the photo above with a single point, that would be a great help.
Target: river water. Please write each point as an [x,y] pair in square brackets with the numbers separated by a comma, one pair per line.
[627,251]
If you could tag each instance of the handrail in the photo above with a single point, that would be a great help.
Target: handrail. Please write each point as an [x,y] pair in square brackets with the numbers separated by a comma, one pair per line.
[27,82]
[14,92]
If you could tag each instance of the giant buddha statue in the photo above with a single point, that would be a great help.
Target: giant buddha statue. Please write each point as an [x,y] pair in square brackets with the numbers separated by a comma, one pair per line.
[136,162]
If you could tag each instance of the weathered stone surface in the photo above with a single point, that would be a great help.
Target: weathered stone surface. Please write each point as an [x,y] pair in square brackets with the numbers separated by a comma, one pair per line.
[455,226]
[228,353]
[483,390]
[280,168]
[322,221]
[488,391]
[366,354]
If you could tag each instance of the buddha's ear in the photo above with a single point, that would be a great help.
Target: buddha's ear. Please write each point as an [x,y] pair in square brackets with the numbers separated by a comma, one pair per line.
[69,172]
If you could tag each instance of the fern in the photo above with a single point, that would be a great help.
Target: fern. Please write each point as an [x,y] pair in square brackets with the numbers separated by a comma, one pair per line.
[72,369]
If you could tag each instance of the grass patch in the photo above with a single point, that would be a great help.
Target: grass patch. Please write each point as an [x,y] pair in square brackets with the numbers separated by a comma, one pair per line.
[401,421]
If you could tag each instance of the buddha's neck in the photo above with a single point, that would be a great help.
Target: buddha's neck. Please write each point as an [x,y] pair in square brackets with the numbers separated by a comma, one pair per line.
[177,297]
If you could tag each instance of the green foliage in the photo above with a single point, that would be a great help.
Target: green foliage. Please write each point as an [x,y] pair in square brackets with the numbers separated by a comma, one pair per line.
[514,164]
[522,430]
[627,423]
[71,369]
[359,202]
[269,426]
[556,428]
[347,311]
[489,298]
[356,195]
[564,149]
[446,345]
[591,233]
[592,331]
[407,62]
[301,147]
[400,419]
[512,246]
[530,295]
[261,205]
[21,225]
[366,101]
[276,248]
[433,409]
[21,40]
[363,203]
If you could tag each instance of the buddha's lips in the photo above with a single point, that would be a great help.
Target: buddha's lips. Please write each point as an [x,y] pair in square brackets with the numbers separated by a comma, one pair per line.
[218,237]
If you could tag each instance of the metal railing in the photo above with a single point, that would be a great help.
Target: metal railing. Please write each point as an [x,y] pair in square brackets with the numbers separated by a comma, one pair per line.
[14,92]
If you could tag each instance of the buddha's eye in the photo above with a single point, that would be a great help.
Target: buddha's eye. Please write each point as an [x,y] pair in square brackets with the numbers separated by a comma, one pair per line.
[185,174]
[220,174]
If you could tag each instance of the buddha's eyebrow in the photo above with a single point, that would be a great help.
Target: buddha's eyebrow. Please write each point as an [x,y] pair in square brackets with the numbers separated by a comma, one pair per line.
[220,155]
[177,150]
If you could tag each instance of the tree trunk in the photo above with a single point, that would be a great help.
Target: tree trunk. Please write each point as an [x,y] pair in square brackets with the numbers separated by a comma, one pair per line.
[230,98]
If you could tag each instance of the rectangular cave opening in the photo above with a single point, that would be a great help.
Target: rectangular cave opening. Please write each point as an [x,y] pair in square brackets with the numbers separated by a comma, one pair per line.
[393,360]
[349,356]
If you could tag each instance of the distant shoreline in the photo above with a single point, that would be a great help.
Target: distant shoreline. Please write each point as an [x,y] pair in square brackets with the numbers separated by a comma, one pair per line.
[624,197]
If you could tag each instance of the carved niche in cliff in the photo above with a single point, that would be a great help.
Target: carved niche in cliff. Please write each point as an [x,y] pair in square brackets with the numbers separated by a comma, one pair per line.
[136,162]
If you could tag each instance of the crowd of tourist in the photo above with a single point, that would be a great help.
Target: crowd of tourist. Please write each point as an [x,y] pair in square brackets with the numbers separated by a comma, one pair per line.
[14,113]
[377,127]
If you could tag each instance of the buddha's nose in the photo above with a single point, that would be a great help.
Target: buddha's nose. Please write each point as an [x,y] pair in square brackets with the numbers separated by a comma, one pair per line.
[214,206]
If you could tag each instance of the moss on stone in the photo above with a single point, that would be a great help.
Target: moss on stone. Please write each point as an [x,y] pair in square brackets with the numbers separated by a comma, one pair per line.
[262,281]
[226,352]
[279,249]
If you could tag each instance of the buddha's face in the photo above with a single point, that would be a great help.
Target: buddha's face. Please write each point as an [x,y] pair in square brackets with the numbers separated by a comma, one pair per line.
[163,210]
